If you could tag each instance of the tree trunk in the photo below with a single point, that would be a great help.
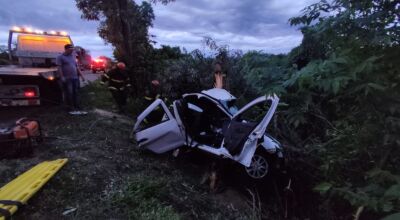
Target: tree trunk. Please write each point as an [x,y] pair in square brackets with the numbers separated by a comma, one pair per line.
[122,7]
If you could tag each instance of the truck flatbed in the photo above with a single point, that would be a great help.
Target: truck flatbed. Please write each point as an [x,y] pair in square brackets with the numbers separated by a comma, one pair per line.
[23,71]
[28,86]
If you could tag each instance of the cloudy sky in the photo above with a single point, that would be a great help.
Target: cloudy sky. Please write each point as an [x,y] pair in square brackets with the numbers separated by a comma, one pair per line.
[241,24]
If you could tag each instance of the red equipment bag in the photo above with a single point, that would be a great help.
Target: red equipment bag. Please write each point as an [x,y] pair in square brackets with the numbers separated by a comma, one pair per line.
[16,140]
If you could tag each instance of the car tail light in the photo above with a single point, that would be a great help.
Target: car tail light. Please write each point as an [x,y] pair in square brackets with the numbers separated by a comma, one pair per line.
[29,92]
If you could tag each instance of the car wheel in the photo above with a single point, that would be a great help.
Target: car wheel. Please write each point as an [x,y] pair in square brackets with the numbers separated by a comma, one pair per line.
[259,168]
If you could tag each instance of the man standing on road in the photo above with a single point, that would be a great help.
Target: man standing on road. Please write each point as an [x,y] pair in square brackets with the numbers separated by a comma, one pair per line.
[69,73]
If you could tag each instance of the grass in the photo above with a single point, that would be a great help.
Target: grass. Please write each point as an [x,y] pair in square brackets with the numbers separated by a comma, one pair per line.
[145,199]
[98,96]
[107,177]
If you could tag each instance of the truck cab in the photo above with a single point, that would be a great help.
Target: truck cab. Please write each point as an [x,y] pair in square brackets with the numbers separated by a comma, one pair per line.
[33,79]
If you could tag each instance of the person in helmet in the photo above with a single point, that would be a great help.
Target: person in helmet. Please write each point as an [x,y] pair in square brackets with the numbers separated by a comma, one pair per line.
[153,93]
[118,84]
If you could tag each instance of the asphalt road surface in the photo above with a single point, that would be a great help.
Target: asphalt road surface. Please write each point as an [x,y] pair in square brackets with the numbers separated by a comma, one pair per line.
[90,77]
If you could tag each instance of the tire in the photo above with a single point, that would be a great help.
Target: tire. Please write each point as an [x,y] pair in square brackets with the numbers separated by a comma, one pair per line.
[260,167]
[274,169]
[93,71]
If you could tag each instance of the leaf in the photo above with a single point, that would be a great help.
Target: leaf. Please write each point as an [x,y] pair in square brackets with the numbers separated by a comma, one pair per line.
[387,207]
[393,191]
[395,216]
[360,68]
[296,123]
[376,86]
[323,187]
[335,86]
[340,60]
[283,104]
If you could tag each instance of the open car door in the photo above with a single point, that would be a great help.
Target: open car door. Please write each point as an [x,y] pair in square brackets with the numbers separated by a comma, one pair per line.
[157,130]
[250,122]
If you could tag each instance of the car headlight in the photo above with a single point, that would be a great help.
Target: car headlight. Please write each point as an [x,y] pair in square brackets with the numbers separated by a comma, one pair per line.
[270,144]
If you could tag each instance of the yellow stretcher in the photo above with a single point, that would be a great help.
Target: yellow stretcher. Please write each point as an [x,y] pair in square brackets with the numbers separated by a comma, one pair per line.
[22,188]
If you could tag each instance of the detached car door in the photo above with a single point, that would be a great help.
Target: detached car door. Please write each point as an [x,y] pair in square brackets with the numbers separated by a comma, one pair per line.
[157,130]
[250,122]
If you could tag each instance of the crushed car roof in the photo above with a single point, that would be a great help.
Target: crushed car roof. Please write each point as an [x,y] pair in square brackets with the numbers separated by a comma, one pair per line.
[219,94]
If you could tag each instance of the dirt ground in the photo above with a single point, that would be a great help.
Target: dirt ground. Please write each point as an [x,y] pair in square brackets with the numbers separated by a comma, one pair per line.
[108,177]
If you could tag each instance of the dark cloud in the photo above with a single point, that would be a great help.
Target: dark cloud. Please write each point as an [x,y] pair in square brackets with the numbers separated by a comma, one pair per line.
[51,15]
[241,24]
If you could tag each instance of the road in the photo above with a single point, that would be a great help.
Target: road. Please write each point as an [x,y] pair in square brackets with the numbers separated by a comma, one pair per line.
[90,77]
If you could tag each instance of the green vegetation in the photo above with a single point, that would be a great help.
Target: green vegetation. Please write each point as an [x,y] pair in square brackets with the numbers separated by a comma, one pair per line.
[4,60]
[340,89]
[145,196]
[108,177]
[98,96]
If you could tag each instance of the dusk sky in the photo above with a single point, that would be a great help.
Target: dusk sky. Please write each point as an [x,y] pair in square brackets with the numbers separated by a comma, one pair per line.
[240,24]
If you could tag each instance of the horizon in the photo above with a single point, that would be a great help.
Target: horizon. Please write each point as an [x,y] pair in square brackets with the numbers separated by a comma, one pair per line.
[241,25]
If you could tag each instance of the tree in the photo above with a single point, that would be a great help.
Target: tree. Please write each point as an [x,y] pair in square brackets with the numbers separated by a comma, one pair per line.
[346,101]
[124,24]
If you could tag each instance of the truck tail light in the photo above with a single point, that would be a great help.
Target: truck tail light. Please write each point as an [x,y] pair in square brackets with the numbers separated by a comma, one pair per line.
[48,75]
[29,92]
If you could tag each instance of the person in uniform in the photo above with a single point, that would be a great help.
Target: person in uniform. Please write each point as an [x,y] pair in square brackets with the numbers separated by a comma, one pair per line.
[118,84]
[153,93]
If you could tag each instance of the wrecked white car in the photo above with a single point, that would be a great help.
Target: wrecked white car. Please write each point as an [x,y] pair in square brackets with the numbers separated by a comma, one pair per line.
[210,121]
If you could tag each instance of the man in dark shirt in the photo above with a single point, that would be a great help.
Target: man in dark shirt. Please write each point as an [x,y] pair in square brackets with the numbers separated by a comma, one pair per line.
[69,75]
[118,84]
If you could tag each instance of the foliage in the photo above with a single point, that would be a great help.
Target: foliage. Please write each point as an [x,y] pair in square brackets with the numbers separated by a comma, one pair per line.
[125,24]
[340,88]
[4,60]
[145,196]
[346,101]
[192,72]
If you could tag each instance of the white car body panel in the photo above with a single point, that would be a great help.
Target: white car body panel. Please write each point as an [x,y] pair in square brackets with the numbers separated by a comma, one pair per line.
[171,134]
[250,145]
[161,137]
[199,95]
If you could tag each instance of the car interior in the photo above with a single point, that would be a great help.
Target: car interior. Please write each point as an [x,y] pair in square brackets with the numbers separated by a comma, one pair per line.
[241,127]
[155,117]
[204,121]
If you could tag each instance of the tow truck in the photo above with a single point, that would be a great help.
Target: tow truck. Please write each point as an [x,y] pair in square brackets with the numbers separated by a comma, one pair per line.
[33,80]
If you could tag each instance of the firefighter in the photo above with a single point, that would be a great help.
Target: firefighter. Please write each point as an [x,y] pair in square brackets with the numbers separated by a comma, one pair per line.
[118,84]
[153,93]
